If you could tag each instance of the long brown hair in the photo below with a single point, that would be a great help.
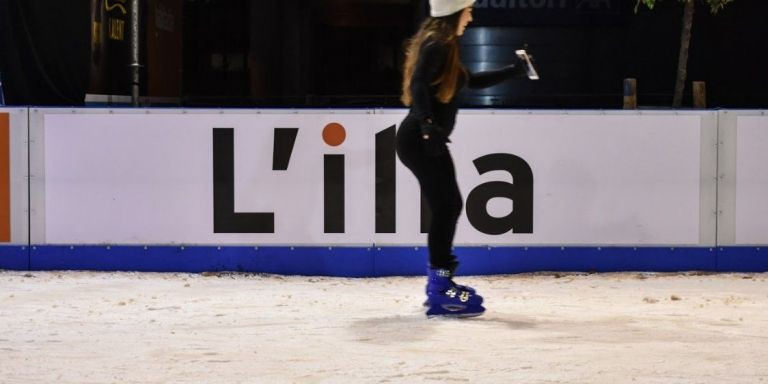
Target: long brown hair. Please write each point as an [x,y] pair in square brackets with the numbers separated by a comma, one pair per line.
[443,31]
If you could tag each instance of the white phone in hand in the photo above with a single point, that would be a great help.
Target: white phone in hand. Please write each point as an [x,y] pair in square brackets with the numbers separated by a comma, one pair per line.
[532,74]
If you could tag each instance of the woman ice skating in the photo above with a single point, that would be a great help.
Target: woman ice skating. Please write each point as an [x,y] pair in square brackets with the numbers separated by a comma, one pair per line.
[432,77]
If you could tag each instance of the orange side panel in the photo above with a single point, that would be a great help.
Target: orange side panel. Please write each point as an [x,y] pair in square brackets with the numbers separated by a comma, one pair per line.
[5,178]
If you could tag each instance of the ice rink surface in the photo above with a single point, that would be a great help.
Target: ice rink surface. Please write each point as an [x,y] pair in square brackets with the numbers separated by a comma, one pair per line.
[89,327]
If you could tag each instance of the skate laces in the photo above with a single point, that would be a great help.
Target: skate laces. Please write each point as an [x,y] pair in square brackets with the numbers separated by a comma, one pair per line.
[444,273]
[459,286]
[454,291]
[448,275]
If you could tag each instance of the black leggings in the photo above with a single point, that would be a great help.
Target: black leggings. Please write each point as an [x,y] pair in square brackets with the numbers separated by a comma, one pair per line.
[437,178]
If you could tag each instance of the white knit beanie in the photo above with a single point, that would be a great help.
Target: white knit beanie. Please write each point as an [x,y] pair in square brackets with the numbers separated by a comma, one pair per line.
[440,8]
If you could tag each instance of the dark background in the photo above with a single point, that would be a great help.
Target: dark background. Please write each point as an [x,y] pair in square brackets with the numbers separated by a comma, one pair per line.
[348,53]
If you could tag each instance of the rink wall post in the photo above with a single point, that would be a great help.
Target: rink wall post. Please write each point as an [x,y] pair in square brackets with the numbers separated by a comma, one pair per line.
[699,94]
[630,93]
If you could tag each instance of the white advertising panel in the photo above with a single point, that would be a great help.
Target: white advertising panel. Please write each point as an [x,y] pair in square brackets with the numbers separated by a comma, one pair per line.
[598,179]
[751,201]
[320,178]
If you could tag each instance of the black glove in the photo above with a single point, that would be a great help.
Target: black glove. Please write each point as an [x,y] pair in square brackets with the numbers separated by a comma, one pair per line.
[434,138]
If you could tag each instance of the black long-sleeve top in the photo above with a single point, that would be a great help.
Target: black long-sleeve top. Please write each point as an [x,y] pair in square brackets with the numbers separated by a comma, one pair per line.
[429,66]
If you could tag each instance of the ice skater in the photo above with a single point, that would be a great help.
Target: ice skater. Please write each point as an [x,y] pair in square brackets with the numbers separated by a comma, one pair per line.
[432,76]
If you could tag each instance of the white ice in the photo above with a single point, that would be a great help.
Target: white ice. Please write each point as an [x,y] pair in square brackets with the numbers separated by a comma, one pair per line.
[89,327]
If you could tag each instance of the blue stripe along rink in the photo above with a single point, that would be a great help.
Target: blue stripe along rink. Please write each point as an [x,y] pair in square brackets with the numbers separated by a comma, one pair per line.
[377,261]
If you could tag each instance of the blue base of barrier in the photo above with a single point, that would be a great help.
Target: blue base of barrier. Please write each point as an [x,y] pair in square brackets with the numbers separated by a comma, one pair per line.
[742,259]
[14,257]
[380,261]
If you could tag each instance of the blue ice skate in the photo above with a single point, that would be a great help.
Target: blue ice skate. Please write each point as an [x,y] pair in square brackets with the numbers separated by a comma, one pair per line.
[452,272]
[446,299]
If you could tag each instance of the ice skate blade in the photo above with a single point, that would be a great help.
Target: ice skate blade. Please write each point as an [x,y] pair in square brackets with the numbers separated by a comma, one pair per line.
[455,315]
[455,311]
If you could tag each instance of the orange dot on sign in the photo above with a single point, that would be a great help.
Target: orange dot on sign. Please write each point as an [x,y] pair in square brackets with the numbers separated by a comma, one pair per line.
[334,134]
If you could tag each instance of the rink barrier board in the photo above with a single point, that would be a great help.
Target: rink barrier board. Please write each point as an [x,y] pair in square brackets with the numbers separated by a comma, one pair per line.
[728,255]
[382,261]
[742,181]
